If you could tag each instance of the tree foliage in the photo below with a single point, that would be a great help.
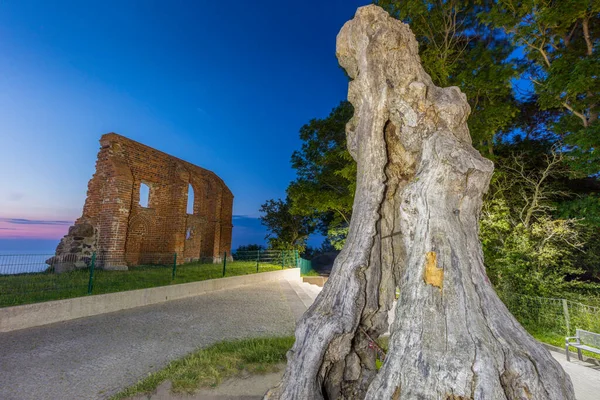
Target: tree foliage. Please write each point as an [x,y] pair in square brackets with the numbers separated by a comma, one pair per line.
[528,246]
[457,48]
[326,173]
[529,69]
[287,231]
[559,41]
[249,247]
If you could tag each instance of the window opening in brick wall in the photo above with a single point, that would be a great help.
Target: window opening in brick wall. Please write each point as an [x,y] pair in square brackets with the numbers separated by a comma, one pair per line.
[144,195]
[190,200]
[188,234]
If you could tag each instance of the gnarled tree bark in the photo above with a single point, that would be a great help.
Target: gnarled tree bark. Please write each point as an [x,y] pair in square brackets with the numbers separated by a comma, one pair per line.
[414,226]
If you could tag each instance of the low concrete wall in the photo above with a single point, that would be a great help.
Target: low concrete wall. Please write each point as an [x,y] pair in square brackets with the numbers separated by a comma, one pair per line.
[30,315]
[315,280]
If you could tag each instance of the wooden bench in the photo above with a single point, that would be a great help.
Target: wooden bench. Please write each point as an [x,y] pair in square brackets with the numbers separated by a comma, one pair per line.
[583,340]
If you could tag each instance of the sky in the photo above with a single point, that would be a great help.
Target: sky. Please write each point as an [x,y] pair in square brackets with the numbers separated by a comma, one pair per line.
[223,85]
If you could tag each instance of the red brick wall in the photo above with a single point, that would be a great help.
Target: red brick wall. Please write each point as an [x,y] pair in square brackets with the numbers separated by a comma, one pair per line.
[128,233]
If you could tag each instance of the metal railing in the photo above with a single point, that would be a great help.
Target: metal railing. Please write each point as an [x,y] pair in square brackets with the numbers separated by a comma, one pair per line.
[285,258]
[553,315]
[305,266]
[32,278]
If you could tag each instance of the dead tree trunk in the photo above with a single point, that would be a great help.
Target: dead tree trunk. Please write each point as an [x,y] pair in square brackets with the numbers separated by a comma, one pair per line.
[414,226]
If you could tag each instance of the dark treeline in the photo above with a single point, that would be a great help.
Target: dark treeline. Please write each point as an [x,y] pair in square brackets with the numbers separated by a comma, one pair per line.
[529,70]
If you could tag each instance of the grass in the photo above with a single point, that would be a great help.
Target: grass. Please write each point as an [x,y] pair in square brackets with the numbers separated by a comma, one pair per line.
[556,340]
[539,334]
[210,366]
[38,287]
[312,272]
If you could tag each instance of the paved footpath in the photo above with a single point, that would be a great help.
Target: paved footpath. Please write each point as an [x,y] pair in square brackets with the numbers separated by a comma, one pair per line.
[96,357]
[585,376]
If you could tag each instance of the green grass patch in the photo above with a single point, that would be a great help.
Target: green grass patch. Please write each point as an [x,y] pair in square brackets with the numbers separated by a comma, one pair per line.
[543,336]
[210,366]
[44,286]
[312,272]
[556,340]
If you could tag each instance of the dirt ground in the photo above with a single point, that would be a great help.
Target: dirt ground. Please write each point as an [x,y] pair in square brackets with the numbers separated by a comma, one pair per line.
[245,387]
[585,377]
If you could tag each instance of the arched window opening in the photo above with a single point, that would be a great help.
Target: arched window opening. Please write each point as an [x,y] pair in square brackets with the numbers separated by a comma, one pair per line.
[190,200]
[144,195]
[188,234]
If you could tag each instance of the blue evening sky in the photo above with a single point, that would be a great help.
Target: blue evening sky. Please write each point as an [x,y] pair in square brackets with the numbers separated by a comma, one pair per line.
[224,85]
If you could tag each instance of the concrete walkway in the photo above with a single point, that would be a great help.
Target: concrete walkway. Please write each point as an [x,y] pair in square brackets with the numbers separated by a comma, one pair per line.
[96,357]
[585,376]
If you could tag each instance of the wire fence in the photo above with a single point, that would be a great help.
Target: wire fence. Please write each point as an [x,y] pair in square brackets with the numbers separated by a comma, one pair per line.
[285,258]
[305,266]
[32,278]
[275,257]
[553,315]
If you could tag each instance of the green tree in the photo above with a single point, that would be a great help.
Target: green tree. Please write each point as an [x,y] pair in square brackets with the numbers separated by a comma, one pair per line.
[458,48]
[250,247]
[529,247]
[326,173]
[539,228]
[453,55]
[584,207]
[560,45]
[287,231]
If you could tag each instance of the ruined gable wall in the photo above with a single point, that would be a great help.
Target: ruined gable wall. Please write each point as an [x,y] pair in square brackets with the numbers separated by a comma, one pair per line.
[129,234]
[226,216]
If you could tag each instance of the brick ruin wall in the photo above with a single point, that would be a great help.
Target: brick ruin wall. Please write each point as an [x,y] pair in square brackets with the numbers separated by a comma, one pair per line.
[123,233]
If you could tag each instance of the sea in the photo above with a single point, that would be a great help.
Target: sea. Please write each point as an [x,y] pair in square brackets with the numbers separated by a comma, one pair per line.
[25,255]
